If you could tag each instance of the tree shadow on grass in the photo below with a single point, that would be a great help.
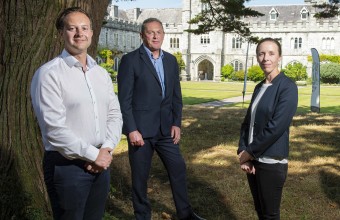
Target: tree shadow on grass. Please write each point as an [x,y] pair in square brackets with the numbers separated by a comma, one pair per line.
[330,185]
[225,193]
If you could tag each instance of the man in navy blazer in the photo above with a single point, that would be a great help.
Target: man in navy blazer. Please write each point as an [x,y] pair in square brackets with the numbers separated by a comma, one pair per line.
[151,103]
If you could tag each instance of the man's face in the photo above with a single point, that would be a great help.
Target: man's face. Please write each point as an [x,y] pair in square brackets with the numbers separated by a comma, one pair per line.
[77,33]
[153,36]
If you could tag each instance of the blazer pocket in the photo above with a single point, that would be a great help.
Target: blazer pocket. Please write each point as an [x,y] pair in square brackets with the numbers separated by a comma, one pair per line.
[140,107]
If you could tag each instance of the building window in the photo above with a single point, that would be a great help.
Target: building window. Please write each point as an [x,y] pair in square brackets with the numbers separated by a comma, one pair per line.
[115,39]
[236,43]
[327,43]
[128,41]
[237,65]
[205,39]
[296,43]
[132,41]
[174,42]
[304,14]
[273,14]
[205,7]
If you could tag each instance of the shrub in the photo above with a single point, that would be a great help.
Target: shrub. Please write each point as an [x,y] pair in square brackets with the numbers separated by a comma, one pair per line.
[180,61]
[109,69]
[255,73]
[296,71]
[330,73]
[238,76]
[227,71]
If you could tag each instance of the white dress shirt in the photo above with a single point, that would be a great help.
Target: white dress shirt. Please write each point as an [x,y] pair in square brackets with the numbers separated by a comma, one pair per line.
[76,111]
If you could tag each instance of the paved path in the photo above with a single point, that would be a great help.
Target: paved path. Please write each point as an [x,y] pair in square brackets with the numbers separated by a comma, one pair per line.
[226,101]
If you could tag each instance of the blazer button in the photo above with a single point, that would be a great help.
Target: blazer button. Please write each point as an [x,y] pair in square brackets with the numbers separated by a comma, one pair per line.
[160,94]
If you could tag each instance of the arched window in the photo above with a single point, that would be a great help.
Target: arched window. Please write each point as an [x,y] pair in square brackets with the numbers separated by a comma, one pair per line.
[323,46]
[296,43]
[273,14]
[237,65]
[304,14]
[328,43]
[174,42]
[332,43]
[236,42]
[204,7]
[205,39]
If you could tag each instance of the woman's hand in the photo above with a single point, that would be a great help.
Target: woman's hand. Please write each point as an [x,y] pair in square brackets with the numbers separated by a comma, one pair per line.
[248,167]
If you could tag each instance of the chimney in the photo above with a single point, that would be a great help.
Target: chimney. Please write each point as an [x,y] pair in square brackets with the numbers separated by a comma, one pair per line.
[136,13]
[115,11]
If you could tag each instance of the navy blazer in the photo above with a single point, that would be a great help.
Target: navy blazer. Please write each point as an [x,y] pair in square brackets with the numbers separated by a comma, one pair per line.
[140,94]
[273,116]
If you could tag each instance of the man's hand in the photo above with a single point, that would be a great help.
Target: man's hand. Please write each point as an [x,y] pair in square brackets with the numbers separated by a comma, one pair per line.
[176,134]
[244,156]
[136,139]
[104,158]
[93,168]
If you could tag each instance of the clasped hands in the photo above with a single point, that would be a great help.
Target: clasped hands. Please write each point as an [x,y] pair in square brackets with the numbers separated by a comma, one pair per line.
[102,162]
[245,162]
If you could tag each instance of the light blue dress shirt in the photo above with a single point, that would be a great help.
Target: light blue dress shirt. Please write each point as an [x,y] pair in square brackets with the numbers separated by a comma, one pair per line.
[158,64]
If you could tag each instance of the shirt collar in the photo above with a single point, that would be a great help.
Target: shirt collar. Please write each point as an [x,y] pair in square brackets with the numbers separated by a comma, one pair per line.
[72,61]
[148,51]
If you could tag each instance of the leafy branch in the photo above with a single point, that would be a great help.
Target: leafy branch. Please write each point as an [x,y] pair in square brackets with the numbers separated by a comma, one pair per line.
[224,15]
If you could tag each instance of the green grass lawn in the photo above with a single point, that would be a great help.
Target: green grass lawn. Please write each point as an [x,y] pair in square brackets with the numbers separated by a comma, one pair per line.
[200,92]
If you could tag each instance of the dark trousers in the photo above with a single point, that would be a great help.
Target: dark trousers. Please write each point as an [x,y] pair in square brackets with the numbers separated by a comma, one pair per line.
[266,187]
[75,194]
[140,162]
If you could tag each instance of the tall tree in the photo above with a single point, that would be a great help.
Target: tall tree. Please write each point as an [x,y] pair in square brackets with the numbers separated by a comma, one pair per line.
[28,39]
[328,10]
[224,15]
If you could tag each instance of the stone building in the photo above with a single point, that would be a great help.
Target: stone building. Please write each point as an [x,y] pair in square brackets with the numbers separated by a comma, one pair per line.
[204,55]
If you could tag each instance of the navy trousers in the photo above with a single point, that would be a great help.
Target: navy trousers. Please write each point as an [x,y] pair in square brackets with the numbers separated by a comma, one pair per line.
[266,187]
[140,162]
[75,194]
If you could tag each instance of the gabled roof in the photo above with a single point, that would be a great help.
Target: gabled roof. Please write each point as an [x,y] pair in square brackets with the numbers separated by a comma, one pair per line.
[286,12]
[165,15]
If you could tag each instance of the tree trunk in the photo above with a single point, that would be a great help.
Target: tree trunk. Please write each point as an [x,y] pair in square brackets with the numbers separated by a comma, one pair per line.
[28,38]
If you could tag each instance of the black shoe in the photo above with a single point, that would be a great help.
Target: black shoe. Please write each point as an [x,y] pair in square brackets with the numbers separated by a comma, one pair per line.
[194,216]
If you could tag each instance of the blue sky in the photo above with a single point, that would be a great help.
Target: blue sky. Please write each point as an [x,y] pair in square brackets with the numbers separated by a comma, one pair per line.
[178,3]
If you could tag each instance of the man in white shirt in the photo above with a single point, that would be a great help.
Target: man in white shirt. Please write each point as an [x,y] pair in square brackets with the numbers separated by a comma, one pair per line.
[80,121]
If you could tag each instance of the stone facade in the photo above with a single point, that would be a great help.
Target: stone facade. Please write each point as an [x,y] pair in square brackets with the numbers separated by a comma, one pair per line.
[204,55]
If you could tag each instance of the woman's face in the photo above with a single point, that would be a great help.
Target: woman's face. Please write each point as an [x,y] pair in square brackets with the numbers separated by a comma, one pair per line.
[268,57]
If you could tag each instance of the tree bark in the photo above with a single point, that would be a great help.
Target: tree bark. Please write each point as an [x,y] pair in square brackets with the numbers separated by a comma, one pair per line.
[28,38]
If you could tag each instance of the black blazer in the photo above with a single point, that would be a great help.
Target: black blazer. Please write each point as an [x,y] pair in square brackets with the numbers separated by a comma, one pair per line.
[140,94]
[274,114]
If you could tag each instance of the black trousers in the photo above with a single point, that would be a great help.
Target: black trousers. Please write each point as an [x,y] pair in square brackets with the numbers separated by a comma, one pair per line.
[75,194]
[140,162]
[266,187]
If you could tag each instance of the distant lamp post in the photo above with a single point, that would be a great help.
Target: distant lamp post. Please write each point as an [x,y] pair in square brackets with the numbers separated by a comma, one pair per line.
[245,74]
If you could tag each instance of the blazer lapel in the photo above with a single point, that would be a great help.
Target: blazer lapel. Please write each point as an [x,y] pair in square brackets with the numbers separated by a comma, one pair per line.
[148,63]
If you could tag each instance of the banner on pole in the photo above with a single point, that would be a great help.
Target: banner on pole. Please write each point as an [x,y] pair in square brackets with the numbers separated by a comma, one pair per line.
[315,98]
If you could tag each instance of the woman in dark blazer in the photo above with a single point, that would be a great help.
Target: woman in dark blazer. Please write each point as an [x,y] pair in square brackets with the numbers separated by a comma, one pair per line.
[264,140]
